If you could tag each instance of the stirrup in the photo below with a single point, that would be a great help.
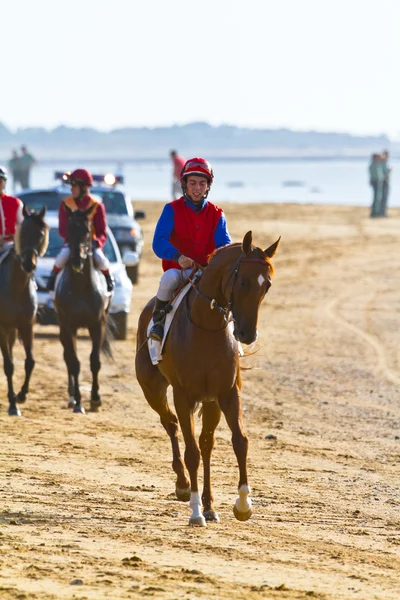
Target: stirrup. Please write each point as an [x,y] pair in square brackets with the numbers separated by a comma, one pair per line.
[157,332]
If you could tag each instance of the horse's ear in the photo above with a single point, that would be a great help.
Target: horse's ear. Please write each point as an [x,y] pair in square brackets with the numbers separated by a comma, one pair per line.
[89,210]
[25,211]
[246,244]
[42,212]
[272,249]
[68,210]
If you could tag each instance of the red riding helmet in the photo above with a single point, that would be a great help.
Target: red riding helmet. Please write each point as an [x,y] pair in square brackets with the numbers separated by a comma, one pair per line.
[198,166]
[81,176]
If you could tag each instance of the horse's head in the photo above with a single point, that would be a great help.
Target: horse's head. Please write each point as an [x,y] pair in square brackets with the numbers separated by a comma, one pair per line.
[79,236]
[246,278]
[31,238]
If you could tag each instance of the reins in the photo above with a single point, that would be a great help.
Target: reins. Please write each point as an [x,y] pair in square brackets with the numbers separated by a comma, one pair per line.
[213,304]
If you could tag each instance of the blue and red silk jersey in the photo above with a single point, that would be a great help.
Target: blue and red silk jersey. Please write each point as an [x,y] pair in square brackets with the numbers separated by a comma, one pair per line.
[185,229]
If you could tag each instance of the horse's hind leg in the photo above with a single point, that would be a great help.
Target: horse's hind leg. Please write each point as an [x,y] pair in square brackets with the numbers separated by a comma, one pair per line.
[68,340]
[154,386]
[211,417]
[97,335]
[26,334]
[231,406]
[13,410]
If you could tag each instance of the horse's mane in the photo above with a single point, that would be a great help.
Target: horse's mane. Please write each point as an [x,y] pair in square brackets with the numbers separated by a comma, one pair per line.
[258,254]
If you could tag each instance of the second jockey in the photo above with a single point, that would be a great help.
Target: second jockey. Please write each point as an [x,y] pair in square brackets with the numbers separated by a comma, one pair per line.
[10,214]
[81,181]
[188,231]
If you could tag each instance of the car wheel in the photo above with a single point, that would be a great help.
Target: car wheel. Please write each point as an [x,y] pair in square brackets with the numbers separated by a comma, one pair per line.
[121,325]
[133,273]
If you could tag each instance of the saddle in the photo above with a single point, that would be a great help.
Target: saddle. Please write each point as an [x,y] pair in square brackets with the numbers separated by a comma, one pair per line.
[155,347]
[100,281]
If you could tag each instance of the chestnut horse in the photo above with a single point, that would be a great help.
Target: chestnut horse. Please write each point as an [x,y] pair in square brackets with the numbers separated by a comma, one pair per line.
[201,363]
[18,299]
[81,302]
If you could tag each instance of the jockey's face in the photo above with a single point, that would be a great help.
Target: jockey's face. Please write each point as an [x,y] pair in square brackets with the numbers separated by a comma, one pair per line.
[196,188]
[78,191]
[2,185]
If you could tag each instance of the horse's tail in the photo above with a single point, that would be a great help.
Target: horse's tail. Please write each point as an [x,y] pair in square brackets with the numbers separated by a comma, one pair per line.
[108,337]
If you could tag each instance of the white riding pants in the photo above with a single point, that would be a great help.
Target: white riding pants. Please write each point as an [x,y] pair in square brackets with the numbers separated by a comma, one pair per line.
[99,258]
[6,246]
[170,281]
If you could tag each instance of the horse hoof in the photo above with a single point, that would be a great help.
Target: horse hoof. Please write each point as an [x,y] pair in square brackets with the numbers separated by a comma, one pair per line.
[14,412]
[71,402]
[79,409]
[211,516]
[242,516]
[95,404]
[183,494]
[198,521]
[21,397]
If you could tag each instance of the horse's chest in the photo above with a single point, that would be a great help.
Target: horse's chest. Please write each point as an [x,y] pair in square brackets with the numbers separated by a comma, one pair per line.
[206,372]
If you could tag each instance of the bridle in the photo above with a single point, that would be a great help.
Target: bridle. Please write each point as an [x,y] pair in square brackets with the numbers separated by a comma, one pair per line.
[226,312]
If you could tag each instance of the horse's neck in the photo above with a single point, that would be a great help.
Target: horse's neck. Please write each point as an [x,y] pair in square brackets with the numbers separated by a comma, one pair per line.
[17,277]
[83,281]
[210,288]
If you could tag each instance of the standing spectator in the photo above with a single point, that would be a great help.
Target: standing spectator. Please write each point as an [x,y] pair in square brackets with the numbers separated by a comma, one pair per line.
[385,184]
[15,169]
[178,164]
[26,163]
[376,182]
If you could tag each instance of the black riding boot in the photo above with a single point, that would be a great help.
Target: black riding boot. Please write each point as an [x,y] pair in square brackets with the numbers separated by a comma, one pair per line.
[159,314]
[51,282]
[110,281]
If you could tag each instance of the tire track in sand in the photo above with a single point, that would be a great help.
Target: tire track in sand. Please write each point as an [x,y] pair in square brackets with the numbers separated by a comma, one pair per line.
[382,366]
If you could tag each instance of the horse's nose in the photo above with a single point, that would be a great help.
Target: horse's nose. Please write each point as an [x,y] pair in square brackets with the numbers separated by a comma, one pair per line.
[246,337]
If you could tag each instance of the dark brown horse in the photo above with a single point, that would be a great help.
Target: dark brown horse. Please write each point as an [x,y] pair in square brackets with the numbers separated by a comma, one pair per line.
[201,363]
[18,300]
[81,302]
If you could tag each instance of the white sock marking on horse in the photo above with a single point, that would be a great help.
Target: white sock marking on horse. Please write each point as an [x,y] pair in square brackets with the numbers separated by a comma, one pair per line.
[196,505]
[260,279]
[243,503]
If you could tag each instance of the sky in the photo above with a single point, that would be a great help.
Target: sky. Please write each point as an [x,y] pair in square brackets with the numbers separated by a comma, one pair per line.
[326,65]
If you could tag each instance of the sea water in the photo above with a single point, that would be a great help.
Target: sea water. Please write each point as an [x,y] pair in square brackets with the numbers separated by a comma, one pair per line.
[343,182]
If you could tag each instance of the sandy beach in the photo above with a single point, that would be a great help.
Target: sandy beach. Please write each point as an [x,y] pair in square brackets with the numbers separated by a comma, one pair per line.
[88,509]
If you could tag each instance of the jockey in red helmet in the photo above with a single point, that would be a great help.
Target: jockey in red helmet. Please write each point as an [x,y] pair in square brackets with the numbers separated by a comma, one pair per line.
[188,231]
[10,214]
[81,180]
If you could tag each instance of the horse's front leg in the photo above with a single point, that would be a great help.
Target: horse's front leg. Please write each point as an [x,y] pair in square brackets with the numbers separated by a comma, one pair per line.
[184,409]
[231,406]
[26,334]
[97,334]
[68,340]
[211,418]
[8,364]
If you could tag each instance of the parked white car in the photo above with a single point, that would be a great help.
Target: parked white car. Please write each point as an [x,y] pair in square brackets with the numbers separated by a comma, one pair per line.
[121,302]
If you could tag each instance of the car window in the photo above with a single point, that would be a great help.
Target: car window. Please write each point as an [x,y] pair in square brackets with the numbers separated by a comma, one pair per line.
[36,200]
[56,243]
[114,202]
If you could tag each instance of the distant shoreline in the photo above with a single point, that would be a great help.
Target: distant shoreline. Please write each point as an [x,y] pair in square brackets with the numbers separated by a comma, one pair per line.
[214,159]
